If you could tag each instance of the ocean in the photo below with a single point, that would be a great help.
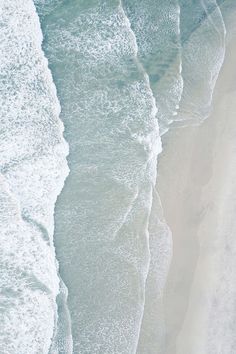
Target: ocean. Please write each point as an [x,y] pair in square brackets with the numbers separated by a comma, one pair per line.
[88,89]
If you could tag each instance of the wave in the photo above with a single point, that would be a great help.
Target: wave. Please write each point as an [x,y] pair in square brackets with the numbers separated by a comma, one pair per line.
[33,168]
[110,114]
[203,48]
[157,29]
[182,47]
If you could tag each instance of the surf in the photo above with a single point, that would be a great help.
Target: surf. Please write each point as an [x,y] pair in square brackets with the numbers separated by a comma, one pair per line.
[33,168]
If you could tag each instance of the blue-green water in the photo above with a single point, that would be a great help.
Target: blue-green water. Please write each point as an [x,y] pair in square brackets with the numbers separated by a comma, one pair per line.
[124,71]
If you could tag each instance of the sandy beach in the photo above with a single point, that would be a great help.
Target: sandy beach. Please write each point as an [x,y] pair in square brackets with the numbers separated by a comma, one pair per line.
[197,187]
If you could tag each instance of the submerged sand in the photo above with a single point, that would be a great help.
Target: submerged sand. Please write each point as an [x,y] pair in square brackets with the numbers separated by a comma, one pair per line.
[197,187]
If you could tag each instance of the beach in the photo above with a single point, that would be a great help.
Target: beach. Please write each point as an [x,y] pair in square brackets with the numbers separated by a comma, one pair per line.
[197,185]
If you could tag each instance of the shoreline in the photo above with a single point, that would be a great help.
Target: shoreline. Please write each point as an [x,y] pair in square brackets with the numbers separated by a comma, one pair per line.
[191,170]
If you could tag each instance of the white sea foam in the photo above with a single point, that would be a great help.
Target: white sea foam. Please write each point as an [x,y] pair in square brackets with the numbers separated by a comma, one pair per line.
[156,27]
[203,49]
[157,30]
[110,114]
[33,169]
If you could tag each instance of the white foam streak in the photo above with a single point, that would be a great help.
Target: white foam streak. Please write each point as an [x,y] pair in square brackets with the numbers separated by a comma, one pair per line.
[152,328]
[201,64]
[153,142]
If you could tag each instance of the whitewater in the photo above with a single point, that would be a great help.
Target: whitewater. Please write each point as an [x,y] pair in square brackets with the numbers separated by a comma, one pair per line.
[88,89]
[33,169]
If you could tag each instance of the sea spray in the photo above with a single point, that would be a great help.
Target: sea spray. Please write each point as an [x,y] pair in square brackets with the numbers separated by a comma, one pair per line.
[33,169]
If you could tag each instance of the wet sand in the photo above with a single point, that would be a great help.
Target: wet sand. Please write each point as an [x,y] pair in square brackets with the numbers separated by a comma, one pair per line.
[197,187]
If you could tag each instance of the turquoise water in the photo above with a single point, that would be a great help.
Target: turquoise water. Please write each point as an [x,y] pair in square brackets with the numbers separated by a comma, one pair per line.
[110,113]
[124,72]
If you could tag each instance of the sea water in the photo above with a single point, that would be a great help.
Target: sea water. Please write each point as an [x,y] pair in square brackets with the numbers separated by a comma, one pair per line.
[33,168]
[110,112]
[125,71]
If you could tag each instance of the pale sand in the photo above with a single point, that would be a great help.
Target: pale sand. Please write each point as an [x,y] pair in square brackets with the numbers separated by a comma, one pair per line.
[197,187]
